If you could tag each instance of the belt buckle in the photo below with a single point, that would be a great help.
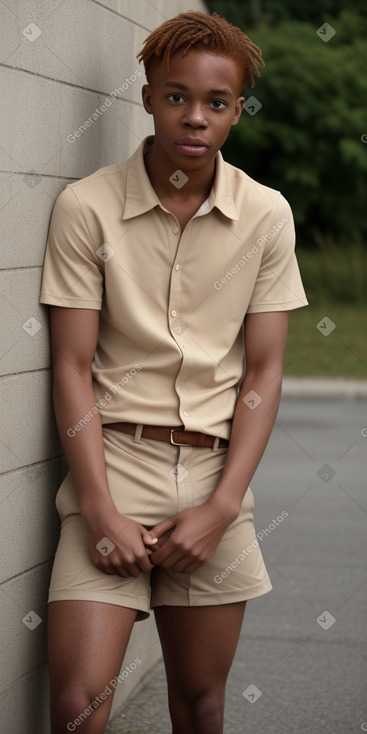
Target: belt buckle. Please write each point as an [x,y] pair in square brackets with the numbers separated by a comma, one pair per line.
[175,443]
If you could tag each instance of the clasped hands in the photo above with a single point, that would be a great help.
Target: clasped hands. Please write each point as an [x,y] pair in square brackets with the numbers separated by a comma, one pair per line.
[192,537]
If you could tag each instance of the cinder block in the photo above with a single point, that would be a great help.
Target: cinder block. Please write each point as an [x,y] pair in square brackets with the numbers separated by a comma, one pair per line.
[47,137]
[26,202]
[82,44]
[25,706]
[24,332]
[60,63]
[151,15]
[181,6]
[30,434]
[25,703]
[147,14]
[23,643]
[30,523]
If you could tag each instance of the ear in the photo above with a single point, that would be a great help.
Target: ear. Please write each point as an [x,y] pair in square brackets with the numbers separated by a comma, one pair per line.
[240,101]
[147,95]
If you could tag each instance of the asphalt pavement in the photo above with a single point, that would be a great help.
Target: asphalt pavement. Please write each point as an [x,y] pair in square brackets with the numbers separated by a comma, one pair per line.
[302,656]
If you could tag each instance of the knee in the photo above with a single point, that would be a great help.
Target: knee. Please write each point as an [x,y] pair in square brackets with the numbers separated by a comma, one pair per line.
[209,706]
[205,710]
[72,711]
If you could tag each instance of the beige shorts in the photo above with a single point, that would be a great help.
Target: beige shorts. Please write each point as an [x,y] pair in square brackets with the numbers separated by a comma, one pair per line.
[150,481]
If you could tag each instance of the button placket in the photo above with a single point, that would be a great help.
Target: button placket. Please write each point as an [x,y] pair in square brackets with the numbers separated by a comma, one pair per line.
[175,296]
[177,324]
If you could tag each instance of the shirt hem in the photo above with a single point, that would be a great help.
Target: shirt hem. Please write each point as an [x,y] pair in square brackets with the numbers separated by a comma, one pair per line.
[50,300]
[104,597]
[207,599]
[272,307]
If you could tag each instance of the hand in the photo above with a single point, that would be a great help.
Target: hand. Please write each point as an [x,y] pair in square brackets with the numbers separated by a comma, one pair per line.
[195,535]
[130,556]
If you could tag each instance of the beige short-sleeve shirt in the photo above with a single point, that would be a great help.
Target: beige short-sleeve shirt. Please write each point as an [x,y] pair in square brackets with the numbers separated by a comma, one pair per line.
[170,348]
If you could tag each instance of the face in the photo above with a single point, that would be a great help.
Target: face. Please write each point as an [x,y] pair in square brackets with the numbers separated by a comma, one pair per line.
[194,105]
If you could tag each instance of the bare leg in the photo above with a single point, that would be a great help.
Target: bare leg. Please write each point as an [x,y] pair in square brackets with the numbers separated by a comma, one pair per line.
[198,645]
[87,643]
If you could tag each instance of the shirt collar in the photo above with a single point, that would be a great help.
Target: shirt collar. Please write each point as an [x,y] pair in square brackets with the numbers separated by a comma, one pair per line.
[141,197]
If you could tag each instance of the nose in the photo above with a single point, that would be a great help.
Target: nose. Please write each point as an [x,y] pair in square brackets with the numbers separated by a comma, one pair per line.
[195,116]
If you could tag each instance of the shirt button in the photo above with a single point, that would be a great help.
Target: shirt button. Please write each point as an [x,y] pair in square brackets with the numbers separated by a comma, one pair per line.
[186,413]
[177,267]
[173,313]
[175,230]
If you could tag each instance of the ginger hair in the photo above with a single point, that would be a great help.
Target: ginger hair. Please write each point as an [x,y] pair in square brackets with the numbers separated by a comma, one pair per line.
[211,32]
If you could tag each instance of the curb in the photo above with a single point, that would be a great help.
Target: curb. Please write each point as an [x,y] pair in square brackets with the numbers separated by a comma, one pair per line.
[323,387]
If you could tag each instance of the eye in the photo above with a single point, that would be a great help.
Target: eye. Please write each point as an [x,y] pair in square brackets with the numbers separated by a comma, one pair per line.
[218,104]
[175,97]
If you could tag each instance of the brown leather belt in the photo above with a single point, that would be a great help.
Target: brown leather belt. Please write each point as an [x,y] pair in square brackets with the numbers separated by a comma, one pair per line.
[176,436]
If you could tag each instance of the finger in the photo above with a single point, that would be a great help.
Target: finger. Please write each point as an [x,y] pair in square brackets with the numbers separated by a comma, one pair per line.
[143,562]
[147,566]
[149,539]
[107,569]
[167,556]
[130,570]
[124,573]
[163,526]
[102,564]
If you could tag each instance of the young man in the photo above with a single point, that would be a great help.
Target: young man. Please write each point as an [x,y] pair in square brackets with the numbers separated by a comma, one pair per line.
[170,275]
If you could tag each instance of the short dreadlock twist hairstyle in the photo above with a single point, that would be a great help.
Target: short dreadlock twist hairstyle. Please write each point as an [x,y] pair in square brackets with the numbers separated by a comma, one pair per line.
[212,32]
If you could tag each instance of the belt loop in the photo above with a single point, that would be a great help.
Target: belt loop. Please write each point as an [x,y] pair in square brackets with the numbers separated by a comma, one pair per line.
[138,432]
[216,443]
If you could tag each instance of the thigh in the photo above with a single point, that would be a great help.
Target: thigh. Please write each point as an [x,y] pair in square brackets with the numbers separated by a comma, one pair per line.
[199,644]
[87,642]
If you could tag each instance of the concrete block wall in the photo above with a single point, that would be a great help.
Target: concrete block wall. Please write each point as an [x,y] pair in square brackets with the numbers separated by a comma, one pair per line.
[59,62]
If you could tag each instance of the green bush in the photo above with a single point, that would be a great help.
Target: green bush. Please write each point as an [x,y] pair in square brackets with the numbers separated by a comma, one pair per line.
[306,138]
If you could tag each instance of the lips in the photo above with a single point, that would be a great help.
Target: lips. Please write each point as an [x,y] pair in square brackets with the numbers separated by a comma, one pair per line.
[192,146]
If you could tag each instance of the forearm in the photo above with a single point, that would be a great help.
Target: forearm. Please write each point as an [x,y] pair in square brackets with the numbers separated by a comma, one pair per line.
[251,430]
[73,400]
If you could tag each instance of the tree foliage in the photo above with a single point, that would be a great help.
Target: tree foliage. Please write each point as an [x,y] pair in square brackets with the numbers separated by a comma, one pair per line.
[306,140]
[248,13]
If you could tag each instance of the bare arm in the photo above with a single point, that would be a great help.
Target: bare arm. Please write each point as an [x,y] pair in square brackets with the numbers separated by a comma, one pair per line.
[198,531]
[254,417]
[74,334]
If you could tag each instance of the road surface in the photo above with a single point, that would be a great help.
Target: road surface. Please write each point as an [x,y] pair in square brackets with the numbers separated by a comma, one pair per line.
[302,656]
